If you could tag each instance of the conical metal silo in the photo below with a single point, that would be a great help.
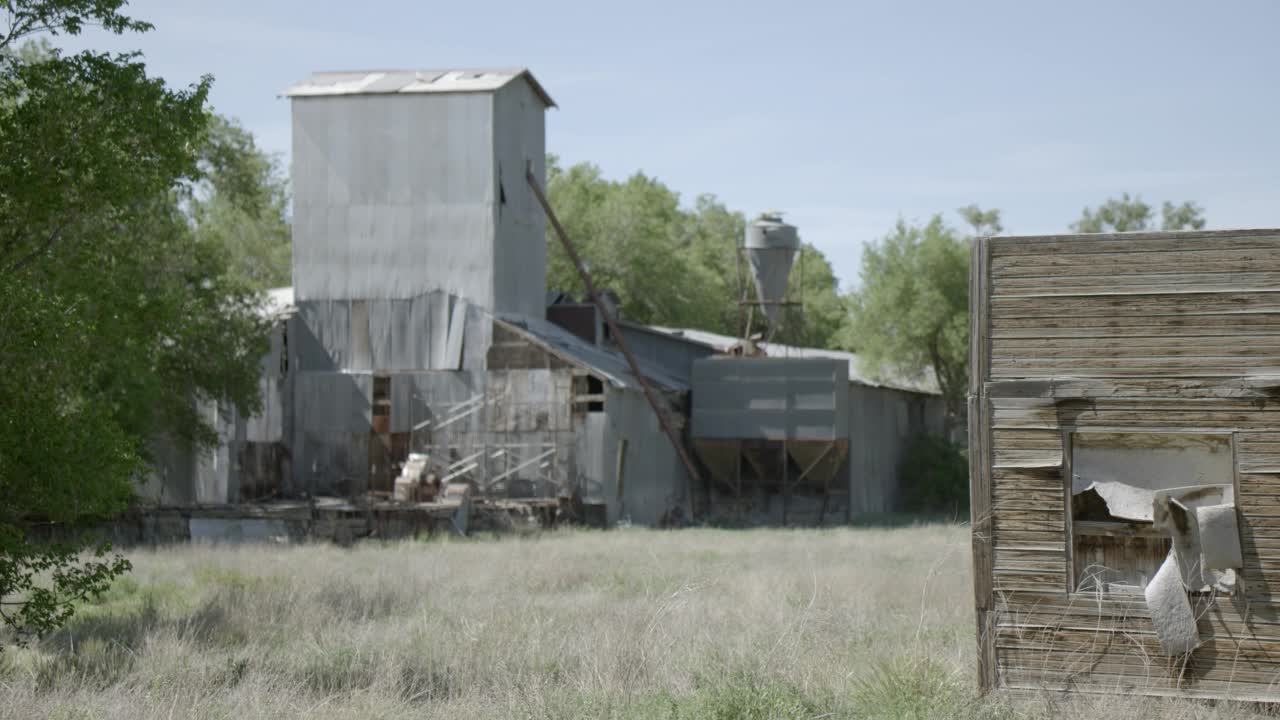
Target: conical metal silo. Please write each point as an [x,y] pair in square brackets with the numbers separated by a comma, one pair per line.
[770,246]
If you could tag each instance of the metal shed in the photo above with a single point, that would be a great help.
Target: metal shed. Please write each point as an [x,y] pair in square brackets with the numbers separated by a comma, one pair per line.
[877,419]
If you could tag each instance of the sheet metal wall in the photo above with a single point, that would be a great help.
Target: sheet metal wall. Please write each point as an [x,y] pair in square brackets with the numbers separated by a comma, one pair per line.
[332,421]
[520,258]
[171,479]
[770,398]
[879,424]
[654,481]
[250,448]
[593,474]
[673,355]
[882,422]
[393,196]
[432,331]
[268,425]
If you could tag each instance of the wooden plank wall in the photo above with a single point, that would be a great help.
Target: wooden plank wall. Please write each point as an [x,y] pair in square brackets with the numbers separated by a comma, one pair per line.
[1135,332]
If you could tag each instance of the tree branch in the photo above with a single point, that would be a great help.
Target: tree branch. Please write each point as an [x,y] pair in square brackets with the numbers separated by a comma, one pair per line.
[48,244]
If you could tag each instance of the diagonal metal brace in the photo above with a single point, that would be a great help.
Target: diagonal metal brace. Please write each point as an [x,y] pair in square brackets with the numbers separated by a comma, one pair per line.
[613,330]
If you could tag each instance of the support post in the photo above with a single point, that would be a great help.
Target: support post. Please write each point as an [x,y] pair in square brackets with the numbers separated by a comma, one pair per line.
[980,487]
[619,470]
[663,421]
[786,486]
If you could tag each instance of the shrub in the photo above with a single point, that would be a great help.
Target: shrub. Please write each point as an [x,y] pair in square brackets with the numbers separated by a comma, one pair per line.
[934,476]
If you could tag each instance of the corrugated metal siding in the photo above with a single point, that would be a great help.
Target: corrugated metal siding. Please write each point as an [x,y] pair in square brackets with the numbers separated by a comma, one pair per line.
[654,480]
[925,383]
[171,480]
[394,196]
[400,335]
[675,356]
[770,398]
[214,474]
[520,254]
[882,424]
[332,420]
[594,476]
[268,425]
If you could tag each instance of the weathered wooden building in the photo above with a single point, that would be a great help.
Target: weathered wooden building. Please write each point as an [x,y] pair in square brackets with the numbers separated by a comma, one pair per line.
[1125,461]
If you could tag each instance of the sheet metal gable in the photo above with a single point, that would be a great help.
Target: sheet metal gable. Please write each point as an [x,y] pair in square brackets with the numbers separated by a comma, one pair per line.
[379,82]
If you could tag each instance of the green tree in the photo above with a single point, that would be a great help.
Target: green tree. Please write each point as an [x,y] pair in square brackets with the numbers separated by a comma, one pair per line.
[817,321]
[983,222]
[671,265]
[1188,215]
[115,315]
[1131,214]
[241,203]
[630,235]
[910,314]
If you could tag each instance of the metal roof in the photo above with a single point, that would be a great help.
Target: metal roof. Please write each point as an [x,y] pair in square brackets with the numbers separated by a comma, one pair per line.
[721,343]
[607,364]
[382,82]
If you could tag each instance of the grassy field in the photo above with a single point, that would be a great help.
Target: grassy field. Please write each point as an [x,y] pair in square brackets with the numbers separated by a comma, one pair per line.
[630,623]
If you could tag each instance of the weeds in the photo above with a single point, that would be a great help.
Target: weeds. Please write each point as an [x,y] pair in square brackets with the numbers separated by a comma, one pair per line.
[834,624]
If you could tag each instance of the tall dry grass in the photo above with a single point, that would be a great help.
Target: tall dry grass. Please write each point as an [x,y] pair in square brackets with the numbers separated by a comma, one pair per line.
[647,624]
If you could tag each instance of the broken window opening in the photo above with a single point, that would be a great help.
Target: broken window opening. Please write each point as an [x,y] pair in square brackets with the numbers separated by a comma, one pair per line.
[595,388]
[381,403]
[1123,486]
[284,350]
[588,393]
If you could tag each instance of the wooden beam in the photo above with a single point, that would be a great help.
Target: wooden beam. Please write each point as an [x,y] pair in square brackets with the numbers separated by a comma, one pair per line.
[619,473]
[663,421]
[980,491]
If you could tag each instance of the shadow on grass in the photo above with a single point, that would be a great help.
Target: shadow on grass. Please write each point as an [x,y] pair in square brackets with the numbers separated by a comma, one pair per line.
[99,646]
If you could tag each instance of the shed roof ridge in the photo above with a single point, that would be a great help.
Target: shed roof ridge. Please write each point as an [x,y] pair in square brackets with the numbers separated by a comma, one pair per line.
[360,82]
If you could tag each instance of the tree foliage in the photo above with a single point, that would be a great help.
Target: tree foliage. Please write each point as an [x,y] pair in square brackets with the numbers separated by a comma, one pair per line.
[910,313]
[983,222]
[241,203]
[935,476]
[670,265]
[1131,214]
[116,315]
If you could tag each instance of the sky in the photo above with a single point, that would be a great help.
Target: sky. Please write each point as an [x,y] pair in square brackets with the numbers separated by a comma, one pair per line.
[846,116]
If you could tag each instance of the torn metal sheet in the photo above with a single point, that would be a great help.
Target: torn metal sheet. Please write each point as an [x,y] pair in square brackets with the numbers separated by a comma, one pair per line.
[440,335]
[1128,469]
[1125,501]
[1219,537]
[1201,521]
[453,346]
[1175,511]
[1171,611]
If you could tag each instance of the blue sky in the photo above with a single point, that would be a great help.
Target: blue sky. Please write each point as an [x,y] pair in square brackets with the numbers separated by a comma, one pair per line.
[844,115]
